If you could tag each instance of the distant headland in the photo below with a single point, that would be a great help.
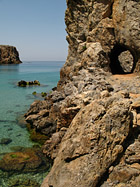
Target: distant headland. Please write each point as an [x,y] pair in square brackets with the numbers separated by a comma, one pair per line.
[9,55]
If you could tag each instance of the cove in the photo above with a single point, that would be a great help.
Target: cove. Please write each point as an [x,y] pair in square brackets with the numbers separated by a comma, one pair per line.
[15,101]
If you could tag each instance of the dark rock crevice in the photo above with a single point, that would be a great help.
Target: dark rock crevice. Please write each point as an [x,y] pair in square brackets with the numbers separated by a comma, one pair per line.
[128,141]
[115,64]
[69,159]
[109,10]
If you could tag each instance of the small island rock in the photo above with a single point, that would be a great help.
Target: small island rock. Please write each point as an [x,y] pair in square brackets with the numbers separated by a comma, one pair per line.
[9,55]
[23,83]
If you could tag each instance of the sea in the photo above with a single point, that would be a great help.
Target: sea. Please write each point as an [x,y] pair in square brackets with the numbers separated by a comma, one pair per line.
[15,101]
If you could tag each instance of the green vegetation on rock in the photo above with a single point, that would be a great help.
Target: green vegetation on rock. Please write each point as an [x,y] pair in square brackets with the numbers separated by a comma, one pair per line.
[34,93]
[36,136]
[43,94]
[13,156]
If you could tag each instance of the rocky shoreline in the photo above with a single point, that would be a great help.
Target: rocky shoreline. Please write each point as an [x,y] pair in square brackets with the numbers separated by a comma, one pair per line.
[92,119]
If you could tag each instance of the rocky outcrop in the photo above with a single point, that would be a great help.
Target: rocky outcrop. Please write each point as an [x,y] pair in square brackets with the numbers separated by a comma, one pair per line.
[92,119]
[24,83]
[92,143]
[9,55]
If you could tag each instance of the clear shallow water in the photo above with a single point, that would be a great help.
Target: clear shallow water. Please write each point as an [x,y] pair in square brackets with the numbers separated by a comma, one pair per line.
[15,101]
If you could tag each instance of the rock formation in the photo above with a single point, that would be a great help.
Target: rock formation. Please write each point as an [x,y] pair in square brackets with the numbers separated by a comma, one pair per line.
[9,55]
[24,83]
[92,119]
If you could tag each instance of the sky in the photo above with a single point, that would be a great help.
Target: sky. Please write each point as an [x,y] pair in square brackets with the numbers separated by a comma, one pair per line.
[35,27]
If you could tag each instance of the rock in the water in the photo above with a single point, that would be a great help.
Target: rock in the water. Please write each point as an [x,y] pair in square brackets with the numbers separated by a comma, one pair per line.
[9,55]
[27,160]
[24,83]
[23,182]
[5,141]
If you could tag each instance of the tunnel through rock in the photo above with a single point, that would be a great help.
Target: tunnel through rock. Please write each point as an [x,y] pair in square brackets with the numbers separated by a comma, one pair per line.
[121,60]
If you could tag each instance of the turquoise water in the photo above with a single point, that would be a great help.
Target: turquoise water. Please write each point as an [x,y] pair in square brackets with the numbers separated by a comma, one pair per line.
[15,101]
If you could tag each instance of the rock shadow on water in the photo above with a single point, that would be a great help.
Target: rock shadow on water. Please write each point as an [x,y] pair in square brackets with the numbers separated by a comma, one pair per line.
[17,105]
[10,111]
[9,129]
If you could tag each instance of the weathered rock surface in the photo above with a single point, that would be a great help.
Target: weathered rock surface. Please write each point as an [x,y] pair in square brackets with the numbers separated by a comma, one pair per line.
[9,55]
[92,119]
[126,61]
[92,143]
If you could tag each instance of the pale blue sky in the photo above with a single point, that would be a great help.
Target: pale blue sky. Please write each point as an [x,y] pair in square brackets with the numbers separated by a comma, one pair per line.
[35,27]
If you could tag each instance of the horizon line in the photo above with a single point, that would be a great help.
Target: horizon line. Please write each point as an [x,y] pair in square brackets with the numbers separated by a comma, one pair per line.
[43,60]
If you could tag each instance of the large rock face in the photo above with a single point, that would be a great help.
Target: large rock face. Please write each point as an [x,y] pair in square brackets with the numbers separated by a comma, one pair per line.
[9,55]
[92,119]
[92,143]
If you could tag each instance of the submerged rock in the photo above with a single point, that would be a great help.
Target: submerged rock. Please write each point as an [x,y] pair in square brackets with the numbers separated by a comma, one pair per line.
[9,55]
[5,141]
[27,160]
[20,120]
[22,183]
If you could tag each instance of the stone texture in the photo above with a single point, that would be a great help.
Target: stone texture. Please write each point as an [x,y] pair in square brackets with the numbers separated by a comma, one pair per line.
[126,61]
[9,55]
[126,23]
[96,136]
[91,119]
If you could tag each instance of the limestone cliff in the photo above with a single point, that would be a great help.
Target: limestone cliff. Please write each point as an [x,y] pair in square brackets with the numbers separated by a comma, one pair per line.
[92,119]
[9,55]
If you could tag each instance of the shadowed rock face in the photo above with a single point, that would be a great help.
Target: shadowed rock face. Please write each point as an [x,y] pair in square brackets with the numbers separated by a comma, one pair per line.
[9,55]
[92,120]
